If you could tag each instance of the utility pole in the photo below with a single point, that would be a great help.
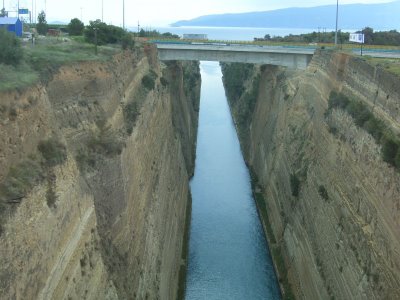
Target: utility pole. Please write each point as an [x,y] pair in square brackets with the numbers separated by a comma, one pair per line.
[95,40]
[102,11]
[81,14]
[337,16]
[123,14]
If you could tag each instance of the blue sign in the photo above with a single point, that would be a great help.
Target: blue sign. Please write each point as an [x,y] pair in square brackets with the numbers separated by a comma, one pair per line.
[23,11]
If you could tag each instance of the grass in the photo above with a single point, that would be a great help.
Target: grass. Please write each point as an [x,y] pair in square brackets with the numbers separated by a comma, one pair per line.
[19,77]
[391,65]
[45,57]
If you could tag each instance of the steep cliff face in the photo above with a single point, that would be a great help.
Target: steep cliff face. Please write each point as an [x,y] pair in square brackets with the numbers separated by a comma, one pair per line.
[332,205]
[107,219]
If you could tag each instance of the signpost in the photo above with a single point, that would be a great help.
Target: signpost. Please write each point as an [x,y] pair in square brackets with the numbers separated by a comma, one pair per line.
[23,11]
[357,38]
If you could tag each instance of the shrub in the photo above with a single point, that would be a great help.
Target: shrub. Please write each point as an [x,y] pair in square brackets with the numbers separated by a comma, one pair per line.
[294,185]
[149,80]
[20,180]
[53,152]
[127,41]
[323,192]
[130,115]
[10,48]
[390,150]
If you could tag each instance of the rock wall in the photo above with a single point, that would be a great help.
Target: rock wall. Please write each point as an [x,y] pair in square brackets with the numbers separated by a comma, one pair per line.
[332,204]
[116,228]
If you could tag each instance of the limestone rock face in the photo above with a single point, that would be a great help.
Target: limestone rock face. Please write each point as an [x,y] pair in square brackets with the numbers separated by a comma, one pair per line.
[116,227]
[340,236]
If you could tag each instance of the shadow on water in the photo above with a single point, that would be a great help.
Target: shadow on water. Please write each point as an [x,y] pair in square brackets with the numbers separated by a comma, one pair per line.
[228,253]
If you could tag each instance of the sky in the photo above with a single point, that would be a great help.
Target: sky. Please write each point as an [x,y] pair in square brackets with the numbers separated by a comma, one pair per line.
[152,13]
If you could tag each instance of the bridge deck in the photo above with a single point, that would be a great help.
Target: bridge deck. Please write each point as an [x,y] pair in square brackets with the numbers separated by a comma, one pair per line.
[288,57]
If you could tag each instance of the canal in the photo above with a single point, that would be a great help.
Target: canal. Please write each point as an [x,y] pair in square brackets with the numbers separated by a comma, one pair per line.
[228,253]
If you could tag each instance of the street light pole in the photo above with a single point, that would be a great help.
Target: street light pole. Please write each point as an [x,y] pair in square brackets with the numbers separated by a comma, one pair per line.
[337,16]
[123,14]
[102,10]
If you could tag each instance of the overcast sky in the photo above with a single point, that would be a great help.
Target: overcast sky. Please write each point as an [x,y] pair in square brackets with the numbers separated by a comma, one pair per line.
[151,13]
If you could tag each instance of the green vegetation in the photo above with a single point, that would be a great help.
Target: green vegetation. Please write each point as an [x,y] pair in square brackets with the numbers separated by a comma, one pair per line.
[75,27]
[235,75]
[20,180]
[16,77]
[149,80]
[391,65]
[323,192]
[365,119]
[294,185]
[102,142]
[53,152]
[41,26]
[10,49]
[48,55]
[386,38]
[102,34]
[157,34]
[391,37]
[313,37]
[23,176]
[131,113]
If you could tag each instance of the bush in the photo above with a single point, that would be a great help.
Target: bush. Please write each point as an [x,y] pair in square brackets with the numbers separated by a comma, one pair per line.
[127,41]
[10,48]
[53,152]
[75,27]
[130,115]
[390,150]
[149,80]
[20,180]
[106,34]
[294,185]
[323,192]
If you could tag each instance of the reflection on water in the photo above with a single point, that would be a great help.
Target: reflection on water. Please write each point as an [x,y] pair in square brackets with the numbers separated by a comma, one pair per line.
[228,257]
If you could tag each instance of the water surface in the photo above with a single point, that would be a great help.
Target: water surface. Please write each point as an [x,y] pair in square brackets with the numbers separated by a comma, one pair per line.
[228,253]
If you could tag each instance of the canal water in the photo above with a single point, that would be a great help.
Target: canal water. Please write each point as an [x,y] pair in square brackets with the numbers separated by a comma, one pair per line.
[228,253]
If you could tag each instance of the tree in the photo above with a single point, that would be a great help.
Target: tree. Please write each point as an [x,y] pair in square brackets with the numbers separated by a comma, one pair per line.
[368,35]
[106,34]
[41,26]
[3,12]
[75,27]
[10,48]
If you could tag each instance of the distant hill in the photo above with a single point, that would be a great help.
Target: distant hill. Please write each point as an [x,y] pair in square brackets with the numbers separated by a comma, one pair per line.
[351,16]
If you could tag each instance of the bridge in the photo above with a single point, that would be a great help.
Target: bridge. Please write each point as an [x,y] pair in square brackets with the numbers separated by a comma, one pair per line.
[281,56]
